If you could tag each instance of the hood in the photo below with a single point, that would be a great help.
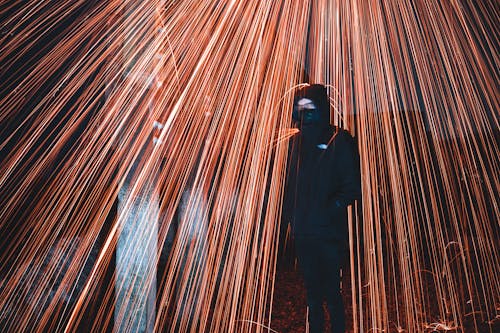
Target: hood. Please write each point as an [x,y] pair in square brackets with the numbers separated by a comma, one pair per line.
[316,93]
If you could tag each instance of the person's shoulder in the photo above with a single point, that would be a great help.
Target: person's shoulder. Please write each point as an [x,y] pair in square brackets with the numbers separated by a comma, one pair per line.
[343,140]
[341,134]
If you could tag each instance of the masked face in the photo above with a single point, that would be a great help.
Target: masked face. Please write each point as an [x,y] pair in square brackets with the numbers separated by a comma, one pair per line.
[306,112]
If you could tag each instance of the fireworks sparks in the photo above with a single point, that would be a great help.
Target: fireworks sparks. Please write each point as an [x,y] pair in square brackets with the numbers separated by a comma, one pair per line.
[89,85]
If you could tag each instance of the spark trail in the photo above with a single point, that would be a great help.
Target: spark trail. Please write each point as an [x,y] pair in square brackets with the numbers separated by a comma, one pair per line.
[85,82]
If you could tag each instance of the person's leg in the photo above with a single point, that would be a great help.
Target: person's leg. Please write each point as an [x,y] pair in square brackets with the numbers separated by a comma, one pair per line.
[331,268]
[307,253]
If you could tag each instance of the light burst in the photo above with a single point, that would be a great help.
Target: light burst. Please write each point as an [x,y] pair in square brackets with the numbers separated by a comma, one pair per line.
[174,116]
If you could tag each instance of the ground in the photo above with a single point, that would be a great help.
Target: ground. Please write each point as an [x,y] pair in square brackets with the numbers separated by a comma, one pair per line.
[289,306]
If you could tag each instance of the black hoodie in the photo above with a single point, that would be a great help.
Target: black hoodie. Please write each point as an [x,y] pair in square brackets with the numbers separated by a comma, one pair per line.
[323,174]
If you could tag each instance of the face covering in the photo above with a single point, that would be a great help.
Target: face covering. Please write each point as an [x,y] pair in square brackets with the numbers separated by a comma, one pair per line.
[311,113]
[306,112]
[308,119]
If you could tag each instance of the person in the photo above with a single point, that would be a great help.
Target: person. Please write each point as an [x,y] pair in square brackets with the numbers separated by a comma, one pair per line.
[323,179]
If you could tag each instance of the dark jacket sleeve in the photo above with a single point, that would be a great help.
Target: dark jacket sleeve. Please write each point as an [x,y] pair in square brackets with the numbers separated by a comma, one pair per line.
[348,178]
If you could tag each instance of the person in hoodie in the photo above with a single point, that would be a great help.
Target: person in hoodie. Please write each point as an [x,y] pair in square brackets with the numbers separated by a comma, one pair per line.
[323,179]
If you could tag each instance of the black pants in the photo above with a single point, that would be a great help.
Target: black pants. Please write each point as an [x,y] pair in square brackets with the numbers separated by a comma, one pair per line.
[320,263]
